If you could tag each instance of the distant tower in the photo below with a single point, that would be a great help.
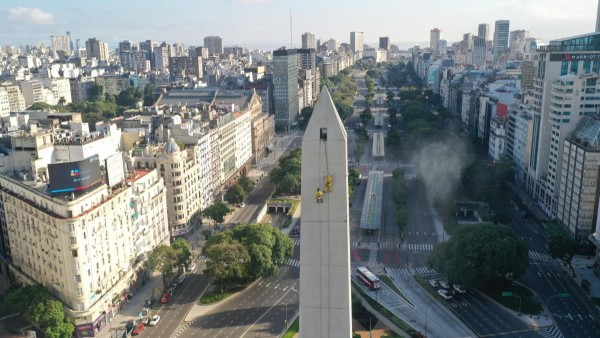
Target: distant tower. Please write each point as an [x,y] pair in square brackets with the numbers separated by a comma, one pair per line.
[285,87]
[434,39]
[501,32]
[483,31]
[325,306]
[356,42]
[309,41]
[384,43]
[598,17]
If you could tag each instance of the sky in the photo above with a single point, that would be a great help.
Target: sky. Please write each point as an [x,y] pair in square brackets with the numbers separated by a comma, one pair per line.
[266,23]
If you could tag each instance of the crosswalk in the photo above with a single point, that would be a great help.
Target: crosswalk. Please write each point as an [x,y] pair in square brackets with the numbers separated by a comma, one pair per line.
[390,246]
[549,332]
[292,262]
[422,271]
[202,258]
[540,256]
[381,164]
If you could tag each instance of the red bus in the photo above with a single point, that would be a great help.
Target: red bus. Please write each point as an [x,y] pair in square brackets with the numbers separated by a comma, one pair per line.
[368,278]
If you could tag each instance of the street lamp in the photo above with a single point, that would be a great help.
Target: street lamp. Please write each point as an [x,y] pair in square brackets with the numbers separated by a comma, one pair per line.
[510,294]
[561,295]
[427,309]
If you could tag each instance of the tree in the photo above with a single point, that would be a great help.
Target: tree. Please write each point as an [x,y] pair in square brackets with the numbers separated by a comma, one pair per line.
[41,106]
[366,115]
[563,246]
[36,304]
[235,195]
[149,95]
[183,252]
[478,253]
[304,117]
[62,101]
[227,260]
[163,259]
[97,92]
[246,183]
[266,246]
[216,212]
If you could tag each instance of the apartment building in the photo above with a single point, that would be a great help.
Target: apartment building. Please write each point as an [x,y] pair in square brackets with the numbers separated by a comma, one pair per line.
[578,196]
[16,100]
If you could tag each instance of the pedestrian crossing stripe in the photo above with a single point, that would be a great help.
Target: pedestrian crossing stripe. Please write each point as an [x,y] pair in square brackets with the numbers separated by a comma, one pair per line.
[296,242]
[395,246]
[422,271]
[203,258]
[549,332]
[292,262]
[382,164]
[540,256]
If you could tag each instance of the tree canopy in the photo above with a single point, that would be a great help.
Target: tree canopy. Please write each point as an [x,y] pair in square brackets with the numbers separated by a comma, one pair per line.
[477,253]
[216,212]
[163,259]
[287,174]
[266,247]
[563,246]
[37,305]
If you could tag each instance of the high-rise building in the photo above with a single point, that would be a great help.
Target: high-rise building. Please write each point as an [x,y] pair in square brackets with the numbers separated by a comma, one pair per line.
[501,32]
[598,17]
[578,193]
[483,30]
[384,43]
[356,42]
[148,46]
[479,51]
[434,39]
[186,66]
[96,49]
[161,57]
[285,87]
[516,43]
[61,43]
[561,70]
[307,58]
[214,44]
[309,41]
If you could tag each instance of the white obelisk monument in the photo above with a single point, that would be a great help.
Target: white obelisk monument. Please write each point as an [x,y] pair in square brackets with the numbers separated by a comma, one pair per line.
[325,305]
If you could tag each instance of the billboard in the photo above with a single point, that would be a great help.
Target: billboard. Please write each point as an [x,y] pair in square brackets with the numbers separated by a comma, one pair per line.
[115,169]
[74,176]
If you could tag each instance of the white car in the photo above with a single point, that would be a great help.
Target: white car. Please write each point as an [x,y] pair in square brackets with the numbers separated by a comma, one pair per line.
[241,205]
[444,284]
[433,282]
[444,294]
[459,288]
[154,320]
[191,267]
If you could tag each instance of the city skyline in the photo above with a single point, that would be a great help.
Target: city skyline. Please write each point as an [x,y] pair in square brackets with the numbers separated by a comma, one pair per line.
[242,22]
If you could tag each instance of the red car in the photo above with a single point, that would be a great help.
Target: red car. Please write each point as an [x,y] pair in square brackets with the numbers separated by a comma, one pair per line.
[138,329]
[165,298]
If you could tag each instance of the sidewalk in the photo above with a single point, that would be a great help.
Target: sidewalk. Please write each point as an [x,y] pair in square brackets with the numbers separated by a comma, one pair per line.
[584,269]
[133,309]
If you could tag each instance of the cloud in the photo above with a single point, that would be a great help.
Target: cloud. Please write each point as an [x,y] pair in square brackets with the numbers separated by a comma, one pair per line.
[33,16]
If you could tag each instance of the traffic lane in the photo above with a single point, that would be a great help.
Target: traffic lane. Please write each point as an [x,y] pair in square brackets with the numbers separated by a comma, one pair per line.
[420,228]
[235,316]
[529,232]
[486,317]
[547,281]
[174,312]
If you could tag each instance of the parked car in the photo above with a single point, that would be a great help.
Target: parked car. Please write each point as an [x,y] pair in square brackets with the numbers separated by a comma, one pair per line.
[444,294]
[241,205]
[459,288]
[138,329]
[191,267]
[154,320]
[433,282]
[444,284]
[165,298]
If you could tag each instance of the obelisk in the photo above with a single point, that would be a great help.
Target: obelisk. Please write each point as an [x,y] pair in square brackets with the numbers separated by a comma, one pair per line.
[325,305]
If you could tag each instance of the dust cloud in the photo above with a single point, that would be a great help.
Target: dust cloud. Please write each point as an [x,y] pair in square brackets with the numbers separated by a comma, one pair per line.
[439,167]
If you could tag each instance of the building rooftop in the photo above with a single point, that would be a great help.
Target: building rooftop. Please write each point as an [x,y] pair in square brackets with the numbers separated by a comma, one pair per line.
[587,133]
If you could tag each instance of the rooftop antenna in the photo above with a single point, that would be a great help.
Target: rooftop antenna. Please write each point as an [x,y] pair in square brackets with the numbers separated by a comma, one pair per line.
[291,41]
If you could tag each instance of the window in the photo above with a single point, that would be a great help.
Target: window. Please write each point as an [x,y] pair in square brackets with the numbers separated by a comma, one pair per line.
[574,66]
[74,252]
[564,68]
[77,279]
[73,240]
